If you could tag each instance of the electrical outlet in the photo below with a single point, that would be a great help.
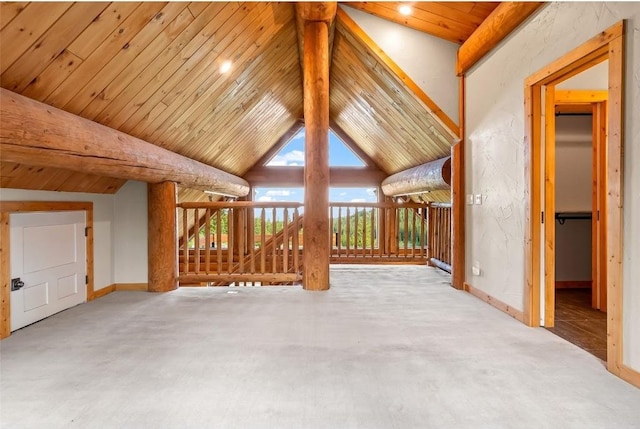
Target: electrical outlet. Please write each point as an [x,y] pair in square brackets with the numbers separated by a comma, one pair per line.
[470,199]
[475,269]
[478,199]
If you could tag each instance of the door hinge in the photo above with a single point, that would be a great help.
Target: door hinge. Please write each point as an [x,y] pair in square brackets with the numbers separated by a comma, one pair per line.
[86,279]
[541,217]
[86,231]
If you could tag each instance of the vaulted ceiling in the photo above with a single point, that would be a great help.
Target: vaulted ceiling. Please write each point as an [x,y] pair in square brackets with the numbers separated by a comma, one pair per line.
[152,70]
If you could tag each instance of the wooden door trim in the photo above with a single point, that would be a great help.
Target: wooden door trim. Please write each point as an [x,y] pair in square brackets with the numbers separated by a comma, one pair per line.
[8,207]
[550,207]
[608,44]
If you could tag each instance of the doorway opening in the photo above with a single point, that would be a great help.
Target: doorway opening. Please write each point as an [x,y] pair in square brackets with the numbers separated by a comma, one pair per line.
[540,94]
[575,313]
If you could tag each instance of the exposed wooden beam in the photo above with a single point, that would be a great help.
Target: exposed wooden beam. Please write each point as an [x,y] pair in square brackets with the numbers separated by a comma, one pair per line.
[432,176]
[316,17]
[294,176]
[34,133]
[383,58]
[498,25]
[458,203]
[163,261]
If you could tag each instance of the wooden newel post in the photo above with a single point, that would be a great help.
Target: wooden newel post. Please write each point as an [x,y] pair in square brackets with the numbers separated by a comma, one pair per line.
[316,18]
[163,253]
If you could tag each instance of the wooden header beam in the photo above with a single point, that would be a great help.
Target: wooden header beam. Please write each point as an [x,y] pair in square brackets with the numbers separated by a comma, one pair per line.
[294,176]
[498,25]
[432,176]
[34,133]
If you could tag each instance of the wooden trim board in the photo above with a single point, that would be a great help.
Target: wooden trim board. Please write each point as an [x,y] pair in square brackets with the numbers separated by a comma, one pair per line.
[608,44]
[505,308]
[630,375]
[120,287]
[7,207]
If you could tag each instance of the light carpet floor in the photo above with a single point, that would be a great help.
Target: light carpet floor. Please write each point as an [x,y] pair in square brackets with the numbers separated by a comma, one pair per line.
[386,347]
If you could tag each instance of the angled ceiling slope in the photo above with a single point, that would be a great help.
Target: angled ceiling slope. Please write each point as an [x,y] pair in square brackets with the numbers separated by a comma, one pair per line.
[152,70]
[380,108]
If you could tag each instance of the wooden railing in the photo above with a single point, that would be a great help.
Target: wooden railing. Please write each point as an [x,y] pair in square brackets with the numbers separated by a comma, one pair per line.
[440,235]
[242,243]
[377,233]
[254,243]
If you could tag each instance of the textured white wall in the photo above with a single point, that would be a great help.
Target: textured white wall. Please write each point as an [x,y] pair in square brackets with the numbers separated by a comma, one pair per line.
[130,234]
[429,61]
[596,77]
[573,164]
[495,133]
[103,219]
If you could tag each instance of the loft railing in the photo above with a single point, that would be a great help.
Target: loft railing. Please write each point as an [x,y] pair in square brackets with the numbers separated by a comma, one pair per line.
[440,235]
[241,243]
[377,233]
[259,243]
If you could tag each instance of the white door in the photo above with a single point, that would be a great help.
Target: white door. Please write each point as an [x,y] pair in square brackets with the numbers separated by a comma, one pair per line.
[48,255]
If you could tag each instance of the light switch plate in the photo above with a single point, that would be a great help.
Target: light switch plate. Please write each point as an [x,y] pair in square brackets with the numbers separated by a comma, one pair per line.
[478,199]
[470,199]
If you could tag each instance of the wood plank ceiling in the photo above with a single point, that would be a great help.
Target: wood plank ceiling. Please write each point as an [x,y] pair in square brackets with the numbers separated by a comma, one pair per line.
[152,70]
[452,21]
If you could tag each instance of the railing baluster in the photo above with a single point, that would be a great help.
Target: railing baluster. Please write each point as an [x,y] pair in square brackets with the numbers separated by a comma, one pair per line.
[207,241]
[373,230]
[348,231]
[263,250]
[355,231]
[219,240]
[274,256]
[185,241]
[296,244]
[413,233]
[364,232]
[231,238]
[339,236]
[196,240]
[285,241]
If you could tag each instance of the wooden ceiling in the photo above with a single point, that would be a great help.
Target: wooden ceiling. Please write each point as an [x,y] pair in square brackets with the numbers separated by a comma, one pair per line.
[152,70]
[374,103]
[452,21]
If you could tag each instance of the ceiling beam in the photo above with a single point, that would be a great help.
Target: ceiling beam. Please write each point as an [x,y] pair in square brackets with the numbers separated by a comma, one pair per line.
[34,133]
[498,25]
[432,176]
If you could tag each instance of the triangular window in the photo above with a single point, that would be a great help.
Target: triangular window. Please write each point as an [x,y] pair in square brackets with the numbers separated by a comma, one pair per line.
[292,154]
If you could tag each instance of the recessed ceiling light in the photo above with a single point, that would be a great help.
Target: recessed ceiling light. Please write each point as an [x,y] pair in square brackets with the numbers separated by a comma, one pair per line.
[405,9]
[225,67]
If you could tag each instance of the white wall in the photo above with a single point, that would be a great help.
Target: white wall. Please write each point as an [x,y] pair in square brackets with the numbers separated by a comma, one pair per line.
[119,230]
[103,219]
[495,133]
[429,61]
[573,194]
[130,234]
[596,77]
[573,164]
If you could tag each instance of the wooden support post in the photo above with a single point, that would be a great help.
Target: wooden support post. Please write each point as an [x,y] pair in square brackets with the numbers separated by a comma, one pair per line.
[316,17]
[163,254]
[458,203]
